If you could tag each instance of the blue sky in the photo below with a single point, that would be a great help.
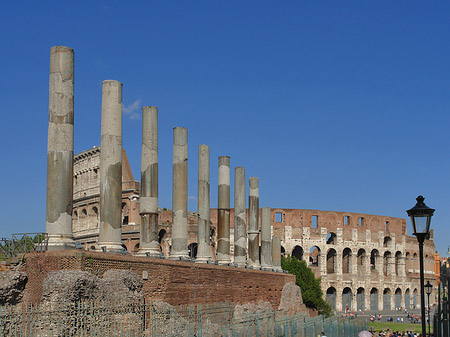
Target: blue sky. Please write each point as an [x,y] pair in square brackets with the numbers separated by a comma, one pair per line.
[334,105]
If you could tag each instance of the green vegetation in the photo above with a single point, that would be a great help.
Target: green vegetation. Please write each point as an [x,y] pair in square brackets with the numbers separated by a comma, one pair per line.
[308,283]
[380,326]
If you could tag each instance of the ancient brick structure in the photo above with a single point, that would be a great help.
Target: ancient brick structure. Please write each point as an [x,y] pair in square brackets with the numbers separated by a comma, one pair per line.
[365,261]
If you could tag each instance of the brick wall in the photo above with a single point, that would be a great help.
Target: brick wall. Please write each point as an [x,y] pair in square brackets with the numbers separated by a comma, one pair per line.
[174,282]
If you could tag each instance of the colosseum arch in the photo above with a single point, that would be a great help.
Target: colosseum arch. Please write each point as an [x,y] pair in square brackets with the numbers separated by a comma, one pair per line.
[346,261]
[136,248]
[386,261]
[331,238]
[314,256]
[347,299]
[415,298]
[398,298]
[407,261]
[124,213]
[374,258]
[374,299]
[283,251]
[331,261]
[387,241]
[361,261]
[387,299]
[407,299]
[331,297]
[192,250]
[360,299]
[297,252]
[398,259]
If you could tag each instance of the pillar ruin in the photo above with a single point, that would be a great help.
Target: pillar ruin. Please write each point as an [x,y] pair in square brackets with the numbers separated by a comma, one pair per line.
[276,253]
[110,231]
[60,149]
[179,248]
[240,219]
[266,240]
[223,211]
[253,222]
[203,202]
[149,244]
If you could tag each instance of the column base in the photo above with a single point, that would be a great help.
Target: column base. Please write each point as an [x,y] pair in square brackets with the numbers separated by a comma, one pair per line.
[205,259]
[152,250]
[223,259]
[110,247]
[60,242]
[182,255]
[266,267]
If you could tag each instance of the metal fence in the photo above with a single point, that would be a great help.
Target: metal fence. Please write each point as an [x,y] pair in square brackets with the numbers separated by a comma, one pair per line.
[160,319]
[13,250]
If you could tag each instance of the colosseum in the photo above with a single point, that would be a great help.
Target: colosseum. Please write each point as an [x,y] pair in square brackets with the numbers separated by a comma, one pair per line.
[366,262]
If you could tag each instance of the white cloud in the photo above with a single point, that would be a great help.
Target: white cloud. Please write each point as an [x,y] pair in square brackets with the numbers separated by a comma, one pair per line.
[132,110]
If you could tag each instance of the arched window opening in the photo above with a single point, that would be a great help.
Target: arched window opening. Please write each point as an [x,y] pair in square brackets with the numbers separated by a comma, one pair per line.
[161,235]
[192,250]
[331,239]
[374,255]
[314,256]
[374,299]
[387,299]
[283,251]
[346,261]
[398,258]
[387,241]
[136,248]
[331,297]
[298,252]
[360,299]
[386,262]
[331,261]
[398,298]
[361,260]
[347,299]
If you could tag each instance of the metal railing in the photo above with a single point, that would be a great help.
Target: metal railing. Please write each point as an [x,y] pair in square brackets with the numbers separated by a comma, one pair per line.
[12,250]
[160,319]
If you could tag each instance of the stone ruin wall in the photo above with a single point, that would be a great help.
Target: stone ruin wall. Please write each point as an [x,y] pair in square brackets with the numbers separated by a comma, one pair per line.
[351,275]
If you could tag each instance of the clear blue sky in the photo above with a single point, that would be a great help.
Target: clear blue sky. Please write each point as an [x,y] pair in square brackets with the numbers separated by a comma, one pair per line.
[334,105]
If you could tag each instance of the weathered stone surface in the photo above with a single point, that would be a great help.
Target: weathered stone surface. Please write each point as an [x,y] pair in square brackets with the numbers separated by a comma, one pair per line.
[68,286]
[12,285]
[291,299]
[170,322]
[120,285]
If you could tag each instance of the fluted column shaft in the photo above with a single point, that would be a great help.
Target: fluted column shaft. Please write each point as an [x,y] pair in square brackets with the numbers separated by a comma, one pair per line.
[149,183]
[253,222]
[223,221]
[266,240]
[203,231]
[60,149]
[276,253]
[110,235]
[240,219]
[179,195]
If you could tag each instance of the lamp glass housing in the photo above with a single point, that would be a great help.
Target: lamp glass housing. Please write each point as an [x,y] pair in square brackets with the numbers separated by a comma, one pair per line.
[428,288]
[420,216]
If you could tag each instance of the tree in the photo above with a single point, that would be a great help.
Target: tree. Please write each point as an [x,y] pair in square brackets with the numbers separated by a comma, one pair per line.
[310,285]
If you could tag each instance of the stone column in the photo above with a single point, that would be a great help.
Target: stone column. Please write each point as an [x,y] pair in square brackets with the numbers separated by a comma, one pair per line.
[276,253]
[60,150]
[110,235]
[240,219]
[148,244]
[179,195]
[266,240]
[223,212]
[203,231]
[253,222]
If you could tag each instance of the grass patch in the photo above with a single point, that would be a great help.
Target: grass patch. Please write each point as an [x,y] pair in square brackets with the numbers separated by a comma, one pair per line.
[379,326]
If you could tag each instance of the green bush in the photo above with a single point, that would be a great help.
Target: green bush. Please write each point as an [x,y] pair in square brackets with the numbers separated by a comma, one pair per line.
[308,283]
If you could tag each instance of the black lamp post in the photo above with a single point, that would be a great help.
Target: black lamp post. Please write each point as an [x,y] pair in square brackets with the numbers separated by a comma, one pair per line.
[428,289]
[420,216]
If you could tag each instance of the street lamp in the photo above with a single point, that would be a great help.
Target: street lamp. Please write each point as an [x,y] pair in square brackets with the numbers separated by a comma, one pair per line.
[428,289]
[420,216]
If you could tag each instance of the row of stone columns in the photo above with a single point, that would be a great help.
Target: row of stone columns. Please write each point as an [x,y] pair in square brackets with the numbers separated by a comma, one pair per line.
[60,183]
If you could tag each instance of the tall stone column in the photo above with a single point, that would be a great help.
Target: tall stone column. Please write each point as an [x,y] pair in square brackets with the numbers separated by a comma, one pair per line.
[276,253]
[253,222]
[110,235]
[266,240]
[223,221]
[149,244]
[180,195]
[240,219]
[60,149]
[203,231]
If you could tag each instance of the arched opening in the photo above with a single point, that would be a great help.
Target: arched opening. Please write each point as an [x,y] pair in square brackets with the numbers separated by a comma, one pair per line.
[374,299]
[124,247]
[136,248]
[297,252]
[415,298]
[387,299]
[331,261]
[386,261]
[346,261]
[283,251]
[331,297]
[192,250]
[347,299]
[360,299]
[407,299]
[361,261]
[398,259]
[124,214]
[331,239]
[407,261]
[314,256]
[398,298]
[387,241]
[161,235]
[374,254]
